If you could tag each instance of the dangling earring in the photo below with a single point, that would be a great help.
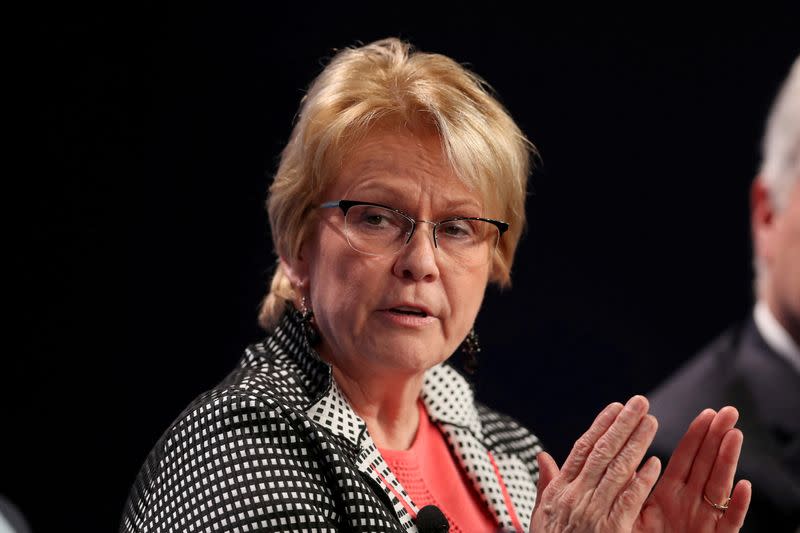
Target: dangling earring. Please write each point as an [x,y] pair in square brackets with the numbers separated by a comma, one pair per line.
[306,318]
[470,348]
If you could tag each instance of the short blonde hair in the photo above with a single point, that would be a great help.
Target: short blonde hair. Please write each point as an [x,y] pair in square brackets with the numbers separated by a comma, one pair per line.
[388,82]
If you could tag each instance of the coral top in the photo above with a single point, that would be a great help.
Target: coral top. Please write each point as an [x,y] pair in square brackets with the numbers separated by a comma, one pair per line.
[430,475]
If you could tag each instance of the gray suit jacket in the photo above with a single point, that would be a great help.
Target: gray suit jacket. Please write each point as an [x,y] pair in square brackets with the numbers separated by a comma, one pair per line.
[740,369]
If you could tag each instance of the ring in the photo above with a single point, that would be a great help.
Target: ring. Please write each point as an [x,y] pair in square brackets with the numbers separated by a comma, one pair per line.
[718,506]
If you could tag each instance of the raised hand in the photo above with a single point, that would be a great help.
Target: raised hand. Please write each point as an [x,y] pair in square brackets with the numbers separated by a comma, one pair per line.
[701,470]
[598,488]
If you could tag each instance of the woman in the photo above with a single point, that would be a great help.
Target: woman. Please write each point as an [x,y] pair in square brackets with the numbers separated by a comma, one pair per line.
[398,198]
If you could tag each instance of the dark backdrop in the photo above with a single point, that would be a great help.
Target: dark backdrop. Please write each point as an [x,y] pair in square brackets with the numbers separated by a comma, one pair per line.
[141,250]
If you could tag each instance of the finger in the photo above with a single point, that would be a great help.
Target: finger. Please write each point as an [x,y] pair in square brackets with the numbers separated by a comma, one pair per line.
[583,446]
[718,487]
[620,470]
[680,464]
[548,470]
[628,505]
[707,454]
[613,440]
[733,520]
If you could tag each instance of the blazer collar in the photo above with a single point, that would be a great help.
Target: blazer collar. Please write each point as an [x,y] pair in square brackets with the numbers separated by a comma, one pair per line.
[449,400]
[447,395]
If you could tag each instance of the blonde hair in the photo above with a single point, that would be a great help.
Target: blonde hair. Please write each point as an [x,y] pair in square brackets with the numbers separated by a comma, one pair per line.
[388,82]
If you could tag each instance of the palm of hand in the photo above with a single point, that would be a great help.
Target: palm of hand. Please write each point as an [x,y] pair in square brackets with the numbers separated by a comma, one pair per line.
[668,512]
[704,463]
[599,488]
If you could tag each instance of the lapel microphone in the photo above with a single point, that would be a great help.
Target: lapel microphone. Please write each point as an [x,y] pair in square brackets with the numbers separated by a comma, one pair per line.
[431,519]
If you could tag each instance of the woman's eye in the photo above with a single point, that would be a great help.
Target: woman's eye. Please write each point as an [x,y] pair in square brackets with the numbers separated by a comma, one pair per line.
[458,229]
[377,218]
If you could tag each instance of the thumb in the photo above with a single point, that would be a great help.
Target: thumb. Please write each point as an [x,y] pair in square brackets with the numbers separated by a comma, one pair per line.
[548,470]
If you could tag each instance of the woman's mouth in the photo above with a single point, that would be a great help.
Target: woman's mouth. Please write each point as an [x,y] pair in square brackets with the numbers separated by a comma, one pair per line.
[404,310]
[408,316]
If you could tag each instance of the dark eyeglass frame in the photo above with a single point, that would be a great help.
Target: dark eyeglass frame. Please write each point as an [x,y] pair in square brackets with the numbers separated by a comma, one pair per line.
[345,206]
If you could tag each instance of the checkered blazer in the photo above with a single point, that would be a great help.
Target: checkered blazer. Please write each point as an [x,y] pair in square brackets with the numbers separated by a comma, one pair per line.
[277,447]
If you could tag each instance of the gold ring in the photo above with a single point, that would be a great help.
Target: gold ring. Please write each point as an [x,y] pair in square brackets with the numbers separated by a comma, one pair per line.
[718,506]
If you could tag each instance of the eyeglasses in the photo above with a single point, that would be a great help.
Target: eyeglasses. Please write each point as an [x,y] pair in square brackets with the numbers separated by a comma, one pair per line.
[376,229]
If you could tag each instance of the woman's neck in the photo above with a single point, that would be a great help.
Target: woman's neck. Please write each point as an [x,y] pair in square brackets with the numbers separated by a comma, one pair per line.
[386,401]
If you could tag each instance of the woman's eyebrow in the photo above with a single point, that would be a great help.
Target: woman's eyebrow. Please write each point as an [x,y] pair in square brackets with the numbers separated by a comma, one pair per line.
[456,205]
[393,197]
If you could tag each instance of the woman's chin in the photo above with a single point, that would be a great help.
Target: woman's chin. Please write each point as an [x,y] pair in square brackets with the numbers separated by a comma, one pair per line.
[413,356]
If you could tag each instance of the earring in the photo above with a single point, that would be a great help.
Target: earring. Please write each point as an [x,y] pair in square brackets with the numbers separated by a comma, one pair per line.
[306,319]
[305,313]
[470,348]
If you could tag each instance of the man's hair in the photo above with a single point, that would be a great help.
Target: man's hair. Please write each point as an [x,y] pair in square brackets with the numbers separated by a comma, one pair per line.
[780,164]
[781,146]
[389,84]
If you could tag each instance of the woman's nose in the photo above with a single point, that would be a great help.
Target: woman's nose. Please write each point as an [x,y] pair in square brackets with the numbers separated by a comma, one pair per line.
[417,260]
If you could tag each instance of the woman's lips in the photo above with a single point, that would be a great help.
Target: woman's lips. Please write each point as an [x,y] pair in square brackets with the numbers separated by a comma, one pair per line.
[407,319]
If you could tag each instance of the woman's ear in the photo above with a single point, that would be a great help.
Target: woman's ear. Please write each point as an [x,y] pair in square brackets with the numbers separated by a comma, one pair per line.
[296,269]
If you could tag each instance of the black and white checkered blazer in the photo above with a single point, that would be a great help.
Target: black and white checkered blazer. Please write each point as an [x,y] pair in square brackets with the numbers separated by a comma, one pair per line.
[277,447]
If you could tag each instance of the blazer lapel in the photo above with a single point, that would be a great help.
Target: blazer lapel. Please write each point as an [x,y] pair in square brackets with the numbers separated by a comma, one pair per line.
[496,475]
[333,412]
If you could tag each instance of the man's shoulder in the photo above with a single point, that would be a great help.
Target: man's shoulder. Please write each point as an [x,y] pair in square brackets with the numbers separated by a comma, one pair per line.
[712,361]
[702,381]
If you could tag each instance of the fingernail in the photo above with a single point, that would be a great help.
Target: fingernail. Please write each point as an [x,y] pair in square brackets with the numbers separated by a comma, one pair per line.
[635,403]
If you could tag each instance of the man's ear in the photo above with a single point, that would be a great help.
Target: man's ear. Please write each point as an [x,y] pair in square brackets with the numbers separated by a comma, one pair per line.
[762,220]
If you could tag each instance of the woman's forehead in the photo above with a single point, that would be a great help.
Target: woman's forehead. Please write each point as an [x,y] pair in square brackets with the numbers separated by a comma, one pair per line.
[394,150]
[401,165]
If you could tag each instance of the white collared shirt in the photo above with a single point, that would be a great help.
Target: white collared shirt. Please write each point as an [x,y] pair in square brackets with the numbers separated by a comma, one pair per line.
[775,335]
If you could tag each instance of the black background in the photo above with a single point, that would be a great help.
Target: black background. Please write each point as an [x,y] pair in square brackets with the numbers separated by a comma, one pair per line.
[140,248]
